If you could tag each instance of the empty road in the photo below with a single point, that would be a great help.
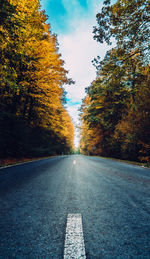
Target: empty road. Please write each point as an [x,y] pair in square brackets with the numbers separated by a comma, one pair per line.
[113,199]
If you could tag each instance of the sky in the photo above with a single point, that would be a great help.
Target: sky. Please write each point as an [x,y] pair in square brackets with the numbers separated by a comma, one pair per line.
[73,21]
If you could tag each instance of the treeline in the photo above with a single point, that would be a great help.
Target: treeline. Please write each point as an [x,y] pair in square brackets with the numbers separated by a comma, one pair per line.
[33,120]
[115,114]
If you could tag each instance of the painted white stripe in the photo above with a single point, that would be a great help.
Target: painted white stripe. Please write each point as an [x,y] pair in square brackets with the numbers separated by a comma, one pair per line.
[74,162]
[74,241]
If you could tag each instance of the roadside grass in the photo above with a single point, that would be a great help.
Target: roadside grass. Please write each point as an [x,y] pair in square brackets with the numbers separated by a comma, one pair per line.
[147,165]
[14,161]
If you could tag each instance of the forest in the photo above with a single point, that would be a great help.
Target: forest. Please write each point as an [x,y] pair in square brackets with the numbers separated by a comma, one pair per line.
[115,114]
[33,118]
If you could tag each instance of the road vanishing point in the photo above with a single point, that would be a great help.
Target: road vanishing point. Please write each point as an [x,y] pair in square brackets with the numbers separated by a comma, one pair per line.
[75,207]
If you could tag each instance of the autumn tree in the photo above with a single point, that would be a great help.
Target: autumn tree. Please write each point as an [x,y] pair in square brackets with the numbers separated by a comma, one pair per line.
[91,135]
[108,98]
[32,79]
[119,96]
[132,131]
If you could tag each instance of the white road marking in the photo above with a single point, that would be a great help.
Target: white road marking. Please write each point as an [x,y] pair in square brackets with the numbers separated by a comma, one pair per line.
[74,162]
[74,241]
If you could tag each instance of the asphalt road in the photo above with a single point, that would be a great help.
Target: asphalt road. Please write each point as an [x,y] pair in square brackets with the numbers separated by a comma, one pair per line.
[112,197]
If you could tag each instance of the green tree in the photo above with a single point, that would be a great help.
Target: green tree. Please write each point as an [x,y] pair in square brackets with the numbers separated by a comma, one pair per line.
[118,110]
[128,22]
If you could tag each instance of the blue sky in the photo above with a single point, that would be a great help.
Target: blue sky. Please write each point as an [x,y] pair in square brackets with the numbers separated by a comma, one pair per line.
[73,21]
[62,12]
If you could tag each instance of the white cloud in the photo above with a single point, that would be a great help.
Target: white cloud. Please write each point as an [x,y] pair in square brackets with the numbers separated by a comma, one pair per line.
[77,47]
[78,50]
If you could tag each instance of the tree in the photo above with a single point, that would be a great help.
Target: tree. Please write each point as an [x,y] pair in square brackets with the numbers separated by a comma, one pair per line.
[118,111]
[108,101]
[32,78]
[133,130]
[128,22]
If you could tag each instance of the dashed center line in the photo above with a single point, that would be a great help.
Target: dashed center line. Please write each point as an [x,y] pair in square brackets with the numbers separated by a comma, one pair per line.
[74,241]
[74,162]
